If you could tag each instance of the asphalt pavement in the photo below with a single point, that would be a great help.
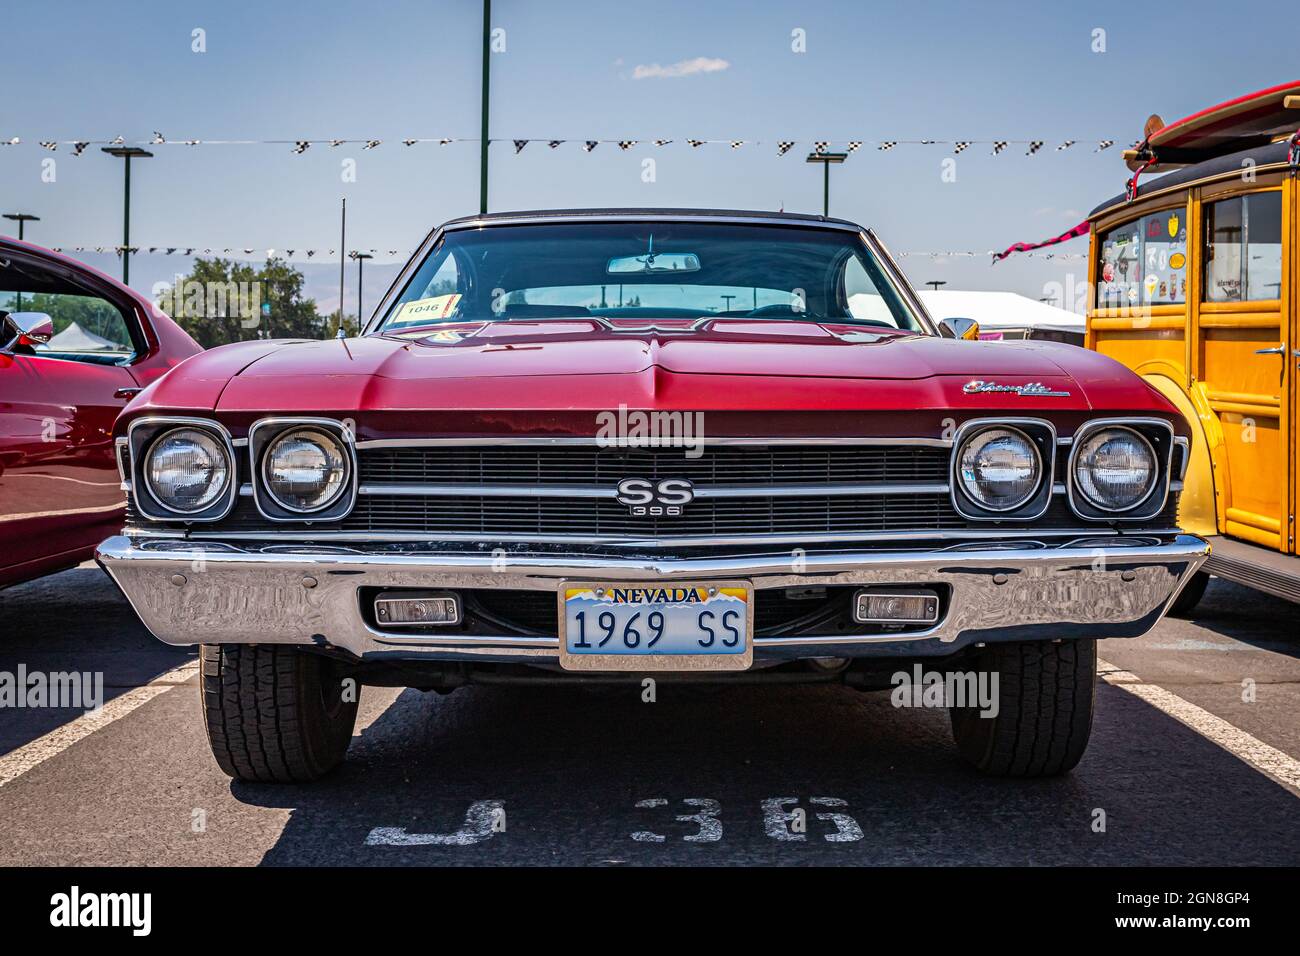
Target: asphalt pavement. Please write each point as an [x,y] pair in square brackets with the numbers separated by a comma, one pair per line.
[1193,761]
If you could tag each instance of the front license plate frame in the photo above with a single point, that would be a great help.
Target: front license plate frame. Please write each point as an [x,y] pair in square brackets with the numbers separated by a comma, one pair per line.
[655,661]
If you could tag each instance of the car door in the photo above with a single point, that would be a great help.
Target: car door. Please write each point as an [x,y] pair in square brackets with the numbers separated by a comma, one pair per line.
[1244,345]
[59,488]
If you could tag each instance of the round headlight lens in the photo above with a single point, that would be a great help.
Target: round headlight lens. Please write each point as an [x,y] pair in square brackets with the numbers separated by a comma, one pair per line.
[999,469]
[187,469]
[1115,469]
[306,469]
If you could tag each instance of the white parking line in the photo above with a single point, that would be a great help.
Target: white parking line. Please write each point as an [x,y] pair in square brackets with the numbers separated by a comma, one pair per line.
[17,762]
[1268,760]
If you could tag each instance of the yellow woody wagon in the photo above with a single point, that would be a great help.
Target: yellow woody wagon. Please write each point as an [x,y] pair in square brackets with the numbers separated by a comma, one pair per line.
[1193,282]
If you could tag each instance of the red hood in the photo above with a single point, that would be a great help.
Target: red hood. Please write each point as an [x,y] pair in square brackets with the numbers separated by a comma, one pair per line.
[572,365]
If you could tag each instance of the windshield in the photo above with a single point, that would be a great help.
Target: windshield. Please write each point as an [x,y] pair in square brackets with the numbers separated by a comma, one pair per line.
[650,270]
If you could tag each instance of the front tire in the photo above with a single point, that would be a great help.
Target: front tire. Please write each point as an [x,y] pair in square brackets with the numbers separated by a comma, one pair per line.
[1045,701]
[1190,596]
[275,714]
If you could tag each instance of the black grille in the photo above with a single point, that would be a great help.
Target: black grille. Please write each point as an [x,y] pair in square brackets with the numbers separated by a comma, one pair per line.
[605,516]
[738,465]
[491,517]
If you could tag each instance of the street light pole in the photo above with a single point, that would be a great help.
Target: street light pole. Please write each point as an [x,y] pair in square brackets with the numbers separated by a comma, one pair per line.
[826,159]
[127,153]
[343,254]
[935,283]
[483,135]
[20,218]
[361,258]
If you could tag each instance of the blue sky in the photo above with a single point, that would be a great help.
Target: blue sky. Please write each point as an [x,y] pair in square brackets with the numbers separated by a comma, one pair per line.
[390,70]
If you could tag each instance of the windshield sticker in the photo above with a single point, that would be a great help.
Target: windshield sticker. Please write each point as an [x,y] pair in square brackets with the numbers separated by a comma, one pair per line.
[428,310]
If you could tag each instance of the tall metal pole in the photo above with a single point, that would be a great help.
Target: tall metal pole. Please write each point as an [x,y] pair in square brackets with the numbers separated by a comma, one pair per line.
[126,153]
[483,135]
[343,254]
[826,159]
[126,225]
[361,261]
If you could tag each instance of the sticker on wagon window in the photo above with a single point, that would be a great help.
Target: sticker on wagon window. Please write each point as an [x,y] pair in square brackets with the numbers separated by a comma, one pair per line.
[647,621]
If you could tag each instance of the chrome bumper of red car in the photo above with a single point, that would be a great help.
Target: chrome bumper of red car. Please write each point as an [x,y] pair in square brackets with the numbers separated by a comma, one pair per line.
[269,593]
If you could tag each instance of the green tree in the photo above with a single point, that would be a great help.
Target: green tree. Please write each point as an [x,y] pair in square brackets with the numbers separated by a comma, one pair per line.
[332,324]
[222,301]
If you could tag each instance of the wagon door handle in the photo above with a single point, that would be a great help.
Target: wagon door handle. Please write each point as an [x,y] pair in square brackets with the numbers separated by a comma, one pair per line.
[129,391]
[1275,350]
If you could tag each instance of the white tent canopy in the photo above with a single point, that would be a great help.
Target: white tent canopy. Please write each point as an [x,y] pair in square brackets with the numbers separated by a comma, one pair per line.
[76,339]
[1001,311]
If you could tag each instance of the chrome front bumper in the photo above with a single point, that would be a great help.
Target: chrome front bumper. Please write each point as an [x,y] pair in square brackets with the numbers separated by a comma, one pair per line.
[212,593]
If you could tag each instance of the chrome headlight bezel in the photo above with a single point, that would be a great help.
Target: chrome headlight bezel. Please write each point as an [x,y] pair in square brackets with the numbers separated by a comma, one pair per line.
[1040,435]
[134,454]
[265,434]
[1156,434]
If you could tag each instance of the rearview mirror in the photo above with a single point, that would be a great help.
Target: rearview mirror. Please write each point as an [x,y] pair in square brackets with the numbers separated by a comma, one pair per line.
[29,328]
[654,262]
[957,328]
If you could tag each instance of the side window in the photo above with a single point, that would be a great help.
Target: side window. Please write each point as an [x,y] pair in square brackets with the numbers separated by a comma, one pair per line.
[864,299]
[1243,255]
[1144,262]
[86,328]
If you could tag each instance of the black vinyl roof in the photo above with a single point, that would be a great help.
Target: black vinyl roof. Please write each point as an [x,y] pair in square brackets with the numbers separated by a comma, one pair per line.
[1269,155]
[634,212]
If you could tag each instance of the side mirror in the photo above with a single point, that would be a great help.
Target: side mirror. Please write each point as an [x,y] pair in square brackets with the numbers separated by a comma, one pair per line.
[956,328]
[29,328]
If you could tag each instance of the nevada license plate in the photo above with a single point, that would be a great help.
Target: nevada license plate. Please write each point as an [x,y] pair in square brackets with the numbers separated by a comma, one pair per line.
[636,627]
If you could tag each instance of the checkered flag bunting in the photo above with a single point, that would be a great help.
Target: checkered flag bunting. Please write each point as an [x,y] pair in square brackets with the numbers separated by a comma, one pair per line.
[626,144]
[554,143]
[1034,146]
[820,146]
[887,145]
[519,145]
[662,142]
[784,146]
[1104,144]
[1000,145]
[854,145]
[695,142]
[51,145]
[961,145]
[79,147]
[301,146]
[372,143]
[1066,145]
[589,145]
[736,143]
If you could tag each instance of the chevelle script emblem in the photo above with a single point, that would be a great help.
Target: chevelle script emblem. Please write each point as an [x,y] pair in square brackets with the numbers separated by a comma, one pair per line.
[1029,388]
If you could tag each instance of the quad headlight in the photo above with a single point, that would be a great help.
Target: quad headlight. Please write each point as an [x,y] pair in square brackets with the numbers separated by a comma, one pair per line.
[1115,469]
[999,469]
[305,469]
[187,470]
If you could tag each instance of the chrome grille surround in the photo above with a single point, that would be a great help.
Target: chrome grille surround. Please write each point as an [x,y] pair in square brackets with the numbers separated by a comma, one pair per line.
[779,492]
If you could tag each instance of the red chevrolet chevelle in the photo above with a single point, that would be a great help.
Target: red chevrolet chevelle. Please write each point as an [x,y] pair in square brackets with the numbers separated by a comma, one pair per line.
[75,345]
[630,446]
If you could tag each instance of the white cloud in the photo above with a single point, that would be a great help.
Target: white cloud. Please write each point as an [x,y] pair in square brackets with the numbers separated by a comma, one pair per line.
[701,64]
